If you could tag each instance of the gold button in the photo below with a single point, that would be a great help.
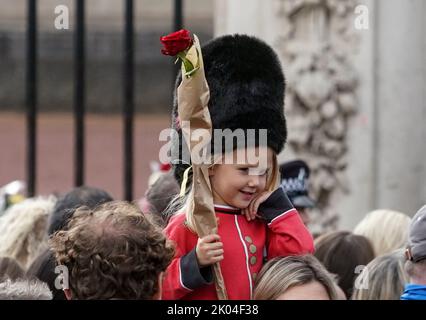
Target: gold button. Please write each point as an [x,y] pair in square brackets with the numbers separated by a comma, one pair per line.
[248,239]
[252,248]
[254,275]
[253,260]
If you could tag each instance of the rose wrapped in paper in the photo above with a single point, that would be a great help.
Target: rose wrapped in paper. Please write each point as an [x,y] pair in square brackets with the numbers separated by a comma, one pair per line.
[179,44]
[193,97]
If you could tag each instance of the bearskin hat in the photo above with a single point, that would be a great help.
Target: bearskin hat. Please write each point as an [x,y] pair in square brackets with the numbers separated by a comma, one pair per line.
[247,88]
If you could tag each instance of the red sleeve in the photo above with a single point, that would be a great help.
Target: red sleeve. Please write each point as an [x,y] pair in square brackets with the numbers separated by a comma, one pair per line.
[287,235]
[183,275]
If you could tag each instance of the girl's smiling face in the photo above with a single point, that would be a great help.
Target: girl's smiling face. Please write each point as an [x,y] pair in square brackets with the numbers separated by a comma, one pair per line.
[238,183]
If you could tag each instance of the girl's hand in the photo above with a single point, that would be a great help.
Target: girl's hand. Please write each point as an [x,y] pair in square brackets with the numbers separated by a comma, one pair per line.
[209,250]
[251,211]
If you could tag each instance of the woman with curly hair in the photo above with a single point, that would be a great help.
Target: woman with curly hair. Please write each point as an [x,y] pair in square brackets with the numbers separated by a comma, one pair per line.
[112,252]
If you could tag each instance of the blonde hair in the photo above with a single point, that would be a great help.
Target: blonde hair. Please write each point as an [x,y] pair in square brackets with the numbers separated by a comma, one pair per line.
[24,289]
[387,230]
[280,274]
[181,204]
[384,278]
[23,229]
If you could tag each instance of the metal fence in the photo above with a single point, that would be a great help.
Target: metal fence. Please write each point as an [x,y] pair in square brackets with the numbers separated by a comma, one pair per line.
[80,91]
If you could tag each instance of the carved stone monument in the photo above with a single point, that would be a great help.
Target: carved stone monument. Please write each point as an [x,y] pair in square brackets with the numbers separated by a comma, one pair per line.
[355,100]
[316,48]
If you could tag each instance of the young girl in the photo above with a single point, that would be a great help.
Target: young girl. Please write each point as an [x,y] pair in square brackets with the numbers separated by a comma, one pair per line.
[244,234]
[254,221]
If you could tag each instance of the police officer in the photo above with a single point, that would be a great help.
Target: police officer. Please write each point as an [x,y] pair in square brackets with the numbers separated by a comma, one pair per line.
[294,181]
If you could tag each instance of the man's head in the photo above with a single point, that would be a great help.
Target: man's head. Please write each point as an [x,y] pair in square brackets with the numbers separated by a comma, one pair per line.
[294,181]
[416,251]
[159,196]
[112,252]
[77,197]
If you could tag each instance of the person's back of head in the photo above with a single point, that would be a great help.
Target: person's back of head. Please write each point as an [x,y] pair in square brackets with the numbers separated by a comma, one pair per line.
[382,279]
[416,249]
[160,195]
[10,268]
[387,230]
[24,289]
[43,268]
[343,254]
[416,272]
[112,252]
[23,229]
[280,275]
[67,204]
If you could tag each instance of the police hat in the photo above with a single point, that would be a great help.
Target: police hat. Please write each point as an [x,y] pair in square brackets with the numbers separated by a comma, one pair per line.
[294,181]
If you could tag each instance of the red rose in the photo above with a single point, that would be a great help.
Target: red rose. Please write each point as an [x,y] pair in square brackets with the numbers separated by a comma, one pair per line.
[176,42]
[165,167]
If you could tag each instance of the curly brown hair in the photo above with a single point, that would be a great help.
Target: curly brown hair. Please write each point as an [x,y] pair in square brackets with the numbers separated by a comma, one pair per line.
[112,252]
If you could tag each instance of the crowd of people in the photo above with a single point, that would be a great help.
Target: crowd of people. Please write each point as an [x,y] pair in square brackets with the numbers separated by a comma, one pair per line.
[86,245]
[110,249]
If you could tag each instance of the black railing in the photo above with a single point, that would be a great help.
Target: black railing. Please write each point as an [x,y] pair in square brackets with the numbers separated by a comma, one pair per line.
[31,96]
[177,25]
[178,15]
[129,101]
[80,92]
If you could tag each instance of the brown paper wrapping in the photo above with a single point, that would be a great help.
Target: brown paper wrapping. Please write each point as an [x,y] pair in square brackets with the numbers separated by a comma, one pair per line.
[193,98]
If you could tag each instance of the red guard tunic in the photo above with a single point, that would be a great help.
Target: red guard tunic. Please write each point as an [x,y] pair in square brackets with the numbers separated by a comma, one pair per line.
[246,244]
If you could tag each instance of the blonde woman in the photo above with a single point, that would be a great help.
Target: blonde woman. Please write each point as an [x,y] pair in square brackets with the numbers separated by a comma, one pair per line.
[387,230]
[295,278]
[383,278]
[23,229]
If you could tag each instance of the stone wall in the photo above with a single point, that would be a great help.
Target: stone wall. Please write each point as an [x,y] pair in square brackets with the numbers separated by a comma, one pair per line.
[355,101]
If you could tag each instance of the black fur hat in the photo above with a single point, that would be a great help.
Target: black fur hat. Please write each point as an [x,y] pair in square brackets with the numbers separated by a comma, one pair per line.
[247,87]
